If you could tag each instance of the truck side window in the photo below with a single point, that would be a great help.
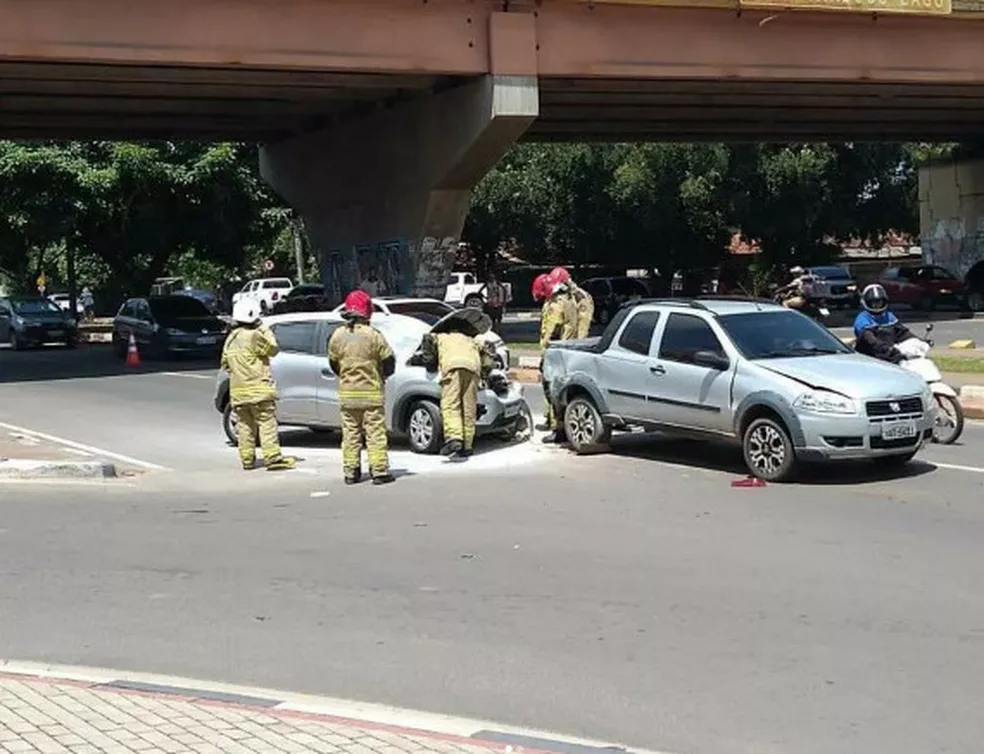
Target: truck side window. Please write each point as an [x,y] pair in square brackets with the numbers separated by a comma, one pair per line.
[685,335]
[638,333]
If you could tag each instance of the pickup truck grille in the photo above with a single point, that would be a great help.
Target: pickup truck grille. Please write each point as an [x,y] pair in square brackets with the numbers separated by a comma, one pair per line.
[894,408]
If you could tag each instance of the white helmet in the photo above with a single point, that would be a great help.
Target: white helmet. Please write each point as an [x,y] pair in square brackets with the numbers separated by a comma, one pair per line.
[796,271]
[246,312]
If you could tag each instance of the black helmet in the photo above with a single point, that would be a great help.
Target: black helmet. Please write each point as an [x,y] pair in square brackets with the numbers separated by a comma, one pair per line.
[874,299]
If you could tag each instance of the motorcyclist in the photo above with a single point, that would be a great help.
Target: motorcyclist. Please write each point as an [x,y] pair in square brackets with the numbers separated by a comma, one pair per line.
[795,294]
[877,331]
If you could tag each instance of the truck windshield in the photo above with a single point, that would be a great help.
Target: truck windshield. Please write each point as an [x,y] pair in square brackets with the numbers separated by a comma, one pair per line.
[779,335]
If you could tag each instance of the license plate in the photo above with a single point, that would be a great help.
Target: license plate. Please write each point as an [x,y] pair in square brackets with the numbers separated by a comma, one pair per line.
[206,341]
[56,333]
[898,431]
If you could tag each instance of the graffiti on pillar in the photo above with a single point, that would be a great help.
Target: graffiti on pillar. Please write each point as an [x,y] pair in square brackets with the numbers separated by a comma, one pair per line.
[949,245]
[433,262]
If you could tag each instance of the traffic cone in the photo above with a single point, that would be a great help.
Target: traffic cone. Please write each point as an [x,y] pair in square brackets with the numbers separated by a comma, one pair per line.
[132,355]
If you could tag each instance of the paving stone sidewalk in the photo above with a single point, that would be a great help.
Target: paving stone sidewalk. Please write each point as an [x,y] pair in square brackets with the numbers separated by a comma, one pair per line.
[51,716]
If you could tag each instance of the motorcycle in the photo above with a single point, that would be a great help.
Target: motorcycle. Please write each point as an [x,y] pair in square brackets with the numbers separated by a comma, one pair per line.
[814,308]
[949,422]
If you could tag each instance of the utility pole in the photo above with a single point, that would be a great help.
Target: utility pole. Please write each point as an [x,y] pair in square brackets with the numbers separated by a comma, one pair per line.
[297,228]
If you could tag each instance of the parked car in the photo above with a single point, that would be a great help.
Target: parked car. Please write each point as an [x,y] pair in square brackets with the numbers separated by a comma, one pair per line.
[610,293]
[430,311]
[748,371]
[834,285]
[308,388]
[266,291]
[63,302]
[924,287]
[33,321]
[167,326]
[206,297]
[309,297]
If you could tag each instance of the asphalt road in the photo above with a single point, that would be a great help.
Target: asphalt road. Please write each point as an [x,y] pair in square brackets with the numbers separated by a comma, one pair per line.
[636,597]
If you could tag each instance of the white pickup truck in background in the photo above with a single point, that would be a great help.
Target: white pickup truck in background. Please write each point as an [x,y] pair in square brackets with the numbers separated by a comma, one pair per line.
[464,289]
[267,291]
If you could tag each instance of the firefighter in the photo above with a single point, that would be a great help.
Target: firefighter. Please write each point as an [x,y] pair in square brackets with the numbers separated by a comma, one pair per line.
[252,392]
[583,300]
[557,322]
[360,356]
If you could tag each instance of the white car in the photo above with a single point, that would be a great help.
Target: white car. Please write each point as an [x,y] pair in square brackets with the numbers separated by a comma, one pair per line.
[430,310]
[267,291]
[61,300]
[308,389]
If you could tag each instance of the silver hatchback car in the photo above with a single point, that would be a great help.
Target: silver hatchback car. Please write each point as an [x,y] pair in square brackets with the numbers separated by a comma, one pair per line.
[749,371]
[308,389]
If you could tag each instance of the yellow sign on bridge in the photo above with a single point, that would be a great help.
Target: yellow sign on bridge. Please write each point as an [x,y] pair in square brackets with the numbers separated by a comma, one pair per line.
[916,7]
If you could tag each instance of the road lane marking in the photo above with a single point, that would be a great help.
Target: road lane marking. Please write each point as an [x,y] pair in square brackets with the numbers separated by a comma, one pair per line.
[958,467]
[87,448]
[189,375]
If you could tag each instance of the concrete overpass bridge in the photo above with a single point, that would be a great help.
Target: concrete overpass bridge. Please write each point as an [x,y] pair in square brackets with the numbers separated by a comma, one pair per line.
[379,116]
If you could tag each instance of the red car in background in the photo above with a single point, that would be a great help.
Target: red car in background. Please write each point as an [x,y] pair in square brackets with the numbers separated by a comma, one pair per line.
[924,287]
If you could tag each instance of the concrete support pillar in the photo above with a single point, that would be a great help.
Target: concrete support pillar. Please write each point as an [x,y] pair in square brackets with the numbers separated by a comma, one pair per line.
[951,217]
[391,189]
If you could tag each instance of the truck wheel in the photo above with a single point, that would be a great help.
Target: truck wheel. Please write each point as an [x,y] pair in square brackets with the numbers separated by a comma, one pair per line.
[768,451]
[425,428]
[474,301]
[584,426]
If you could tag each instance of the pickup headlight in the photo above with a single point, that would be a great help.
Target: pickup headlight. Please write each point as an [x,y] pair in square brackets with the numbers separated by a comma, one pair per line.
[825,402]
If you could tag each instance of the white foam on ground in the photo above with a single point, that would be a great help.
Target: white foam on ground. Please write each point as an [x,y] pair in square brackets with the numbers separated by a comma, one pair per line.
[488,457]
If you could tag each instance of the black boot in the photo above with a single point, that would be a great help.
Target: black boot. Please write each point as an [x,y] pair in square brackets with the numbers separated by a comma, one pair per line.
[383,479]
[353,477]
[452,447]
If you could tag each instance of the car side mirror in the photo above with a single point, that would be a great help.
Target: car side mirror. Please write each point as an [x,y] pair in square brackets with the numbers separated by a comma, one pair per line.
[712,360]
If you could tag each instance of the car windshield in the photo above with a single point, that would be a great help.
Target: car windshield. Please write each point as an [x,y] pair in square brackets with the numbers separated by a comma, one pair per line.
[177,307]
[430,312]
[831,273]
[33,306]
[779,335]
[276,284]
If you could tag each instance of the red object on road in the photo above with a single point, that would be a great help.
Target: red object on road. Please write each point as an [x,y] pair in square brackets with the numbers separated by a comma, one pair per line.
[749,481]
[132,355]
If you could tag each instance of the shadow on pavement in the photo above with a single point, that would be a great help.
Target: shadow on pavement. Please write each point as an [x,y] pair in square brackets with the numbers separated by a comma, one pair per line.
[727,458]
[49,363]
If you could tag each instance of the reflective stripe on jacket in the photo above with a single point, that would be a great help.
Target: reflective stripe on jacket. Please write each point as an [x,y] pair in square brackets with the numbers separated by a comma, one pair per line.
[456,350]
[584,302]
[356,352]
[559,319]
[246,357]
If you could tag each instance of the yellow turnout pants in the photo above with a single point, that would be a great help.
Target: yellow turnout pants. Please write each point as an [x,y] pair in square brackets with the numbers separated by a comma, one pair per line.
[257,418]
[371,423]
[459,406]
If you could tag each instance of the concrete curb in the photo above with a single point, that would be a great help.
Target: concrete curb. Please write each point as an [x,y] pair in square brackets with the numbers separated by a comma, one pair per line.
[28,469]
[489,735]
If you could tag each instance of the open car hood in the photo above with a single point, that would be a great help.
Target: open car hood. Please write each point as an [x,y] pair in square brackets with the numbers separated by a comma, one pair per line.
[469,321]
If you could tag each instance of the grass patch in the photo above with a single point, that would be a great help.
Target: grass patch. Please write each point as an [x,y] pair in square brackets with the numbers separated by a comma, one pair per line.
[959,364]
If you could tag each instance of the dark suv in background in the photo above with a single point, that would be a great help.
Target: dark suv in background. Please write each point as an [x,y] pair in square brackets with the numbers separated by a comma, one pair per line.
[611,293]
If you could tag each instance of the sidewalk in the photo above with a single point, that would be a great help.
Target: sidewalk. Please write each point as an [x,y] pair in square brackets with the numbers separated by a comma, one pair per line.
[27,456]
[53,716]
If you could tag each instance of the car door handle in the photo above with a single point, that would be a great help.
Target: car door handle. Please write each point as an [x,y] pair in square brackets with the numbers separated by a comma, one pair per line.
[658,369]
[327,373]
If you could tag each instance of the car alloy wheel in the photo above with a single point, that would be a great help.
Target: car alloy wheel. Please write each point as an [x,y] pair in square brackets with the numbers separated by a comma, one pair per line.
[768,450]
[425,430]
[584,425]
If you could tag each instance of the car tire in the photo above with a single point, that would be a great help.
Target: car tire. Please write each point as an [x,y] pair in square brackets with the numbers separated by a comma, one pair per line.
[604,317]
[768,450]
[925,303]
[955,410]
[119,348]
[16,343]
[71,342]
[474,302]
[584,426]
[229,424]
[425,427]
[975,301]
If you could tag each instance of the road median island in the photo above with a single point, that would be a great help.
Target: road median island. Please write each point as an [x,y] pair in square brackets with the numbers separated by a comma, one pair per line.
[23,456]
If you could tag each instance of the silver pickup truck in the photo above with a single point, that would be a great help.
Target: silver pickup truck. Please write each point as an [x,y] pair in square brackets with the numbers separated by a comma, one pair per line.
[746,371]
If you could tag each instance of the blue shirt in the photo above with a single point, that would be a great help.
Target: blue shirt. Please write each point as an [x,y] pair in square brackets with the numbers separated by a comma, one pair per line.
[866,319]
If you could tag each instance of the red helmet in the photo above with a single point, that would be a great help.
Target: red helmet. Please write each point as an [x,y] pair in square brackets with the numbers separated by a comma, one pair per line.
[541,287]
[560,275]
[358,304]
